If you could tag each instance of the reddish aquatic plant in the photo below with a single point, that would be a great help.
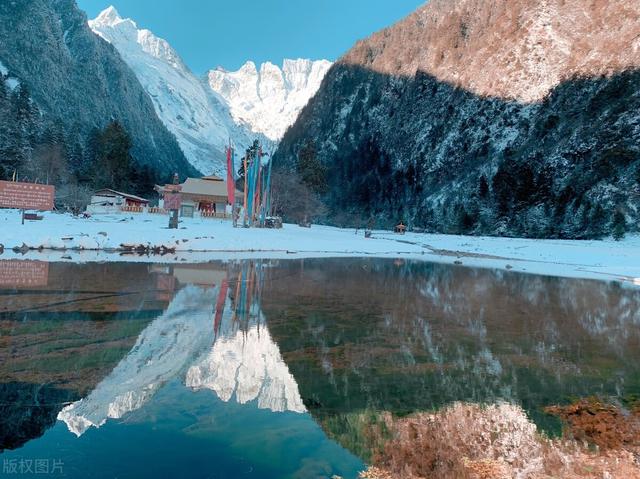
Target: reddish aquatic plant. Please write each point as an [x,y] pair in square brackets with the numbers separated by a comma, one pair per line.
[470,441]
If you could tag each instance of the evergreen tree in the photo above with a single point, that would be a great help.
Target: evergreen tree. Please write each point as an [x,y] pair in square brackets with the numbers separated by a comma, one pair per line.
[502,190]
[544,184]
[22,129]
[618,225]
[49,163]
[3,88]
[597,221]
[76,159]
[5,120]
[312,172]
[462,221]
[143,180]
[525,184]
[483,188]
[113,162]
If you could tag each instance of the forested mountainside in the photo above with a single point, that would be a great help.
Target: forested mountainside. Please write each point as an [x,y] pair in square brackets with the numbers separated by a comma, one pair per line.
[481,117]
[64,92]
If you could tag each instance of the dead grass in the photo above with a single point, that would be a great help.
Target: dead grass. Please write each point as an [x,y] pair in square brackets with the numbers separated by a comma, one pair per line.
[469,441]
[513,49]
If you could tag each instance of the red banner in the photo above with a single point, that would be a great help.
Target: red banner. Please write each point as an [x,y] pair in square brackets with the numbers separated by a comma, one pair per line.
[23,274]
[172,197]
[26,196]
[222,298]
[231,184]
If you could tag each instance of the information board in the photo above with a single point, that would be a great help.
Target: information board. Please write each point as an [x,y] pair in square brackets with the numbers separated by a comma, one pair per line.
[23,274]
[172,197]
[26,196]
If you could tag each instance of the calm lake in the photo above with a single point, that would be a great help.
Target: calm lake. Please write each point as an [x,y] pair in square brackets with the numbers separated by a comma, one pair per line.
[266,369]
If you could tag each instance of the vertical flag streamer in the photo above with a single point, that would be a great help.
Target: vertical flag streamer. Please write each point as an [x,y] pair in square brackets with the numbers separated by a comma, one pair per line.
[231,181]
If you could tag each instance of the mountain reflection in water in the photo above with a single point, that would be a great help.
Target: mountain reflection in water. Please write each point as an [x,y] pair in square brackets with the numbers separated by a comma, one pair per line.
[326,339]
[229,355]
[414,336]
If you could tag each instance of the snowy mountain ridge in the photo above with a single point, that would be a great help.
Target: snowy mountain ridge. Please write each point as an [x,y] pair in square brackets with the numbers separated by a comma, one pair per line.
[127,29]
[199,120]
[78,83]
[269,99]
[204,114]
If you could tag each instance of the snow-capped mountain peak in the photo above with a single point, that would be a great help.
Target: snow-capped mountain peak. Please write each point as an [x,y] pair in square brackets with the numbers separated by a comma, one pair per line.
[269,98]
[108,17]
[199,119]
[118,31]
[203,114]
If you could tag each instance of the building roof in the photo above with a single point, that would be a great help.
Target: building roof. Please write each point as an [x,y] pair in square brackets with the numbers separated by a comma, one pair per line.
[202,187]
[205,187]
[110,192]
[209,186]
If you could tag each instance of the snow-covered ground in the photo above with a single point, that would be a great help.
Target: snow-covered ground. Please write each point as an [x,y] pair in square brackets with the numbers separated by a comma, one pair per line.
[101,238]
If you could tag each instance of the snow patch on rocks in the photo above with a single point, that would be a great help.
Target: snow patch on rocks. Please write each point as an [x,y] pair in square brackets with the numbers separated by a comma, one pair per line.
[269,99]
[163,350]
[247,364]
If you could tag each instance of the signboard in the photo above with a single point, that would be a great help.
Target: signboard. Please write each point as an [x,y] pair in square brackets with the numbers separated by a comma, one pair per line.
[26,196]
[172,197]
[165,286]
[23,274]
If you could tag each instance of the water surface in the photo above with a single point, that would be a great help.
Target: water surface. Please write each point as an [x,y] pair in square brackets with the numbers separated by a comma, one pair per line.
[266,368]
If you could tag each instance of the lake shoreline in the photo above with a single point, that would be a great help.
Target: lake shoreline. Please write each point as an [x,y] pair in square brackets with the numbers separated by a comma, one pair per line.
[146,238]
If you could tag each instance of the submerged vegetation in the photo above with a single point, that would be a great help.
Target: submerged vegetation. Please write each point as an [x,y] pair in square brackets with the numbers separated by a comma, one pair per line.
[471,441]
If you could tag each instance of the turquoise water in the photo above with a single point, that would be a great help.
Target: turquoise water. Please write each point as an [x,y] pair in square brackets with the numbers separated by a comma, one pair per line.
[181,433]
[272,369]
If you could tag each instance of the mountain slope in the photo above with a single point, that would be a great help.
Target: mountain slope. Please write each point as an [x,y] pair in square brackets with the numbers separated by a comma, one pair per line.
[200,120]
[271,98]
[500,117]
[205,113]
[76,78]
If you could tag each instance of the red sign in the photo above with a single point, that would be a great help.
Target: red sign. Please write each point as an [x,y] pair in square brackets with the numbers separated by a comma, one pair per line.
[26,196]
[172,197]
[165,285]
[23,274]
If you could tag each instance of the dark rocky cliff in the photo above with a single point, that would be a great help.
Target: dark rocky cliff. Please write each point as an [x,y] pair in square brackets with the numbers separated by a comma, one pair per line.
[78,80]
[510,118]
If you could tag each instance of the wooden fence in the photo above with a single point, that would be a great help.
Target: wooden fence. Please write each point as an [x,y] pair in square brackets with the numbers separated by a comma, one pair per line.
[132,209]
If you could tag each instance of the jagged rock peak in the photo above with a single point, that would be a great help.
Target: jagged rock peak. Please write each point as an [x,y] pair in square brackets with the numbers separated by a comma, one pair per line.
[269,98]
